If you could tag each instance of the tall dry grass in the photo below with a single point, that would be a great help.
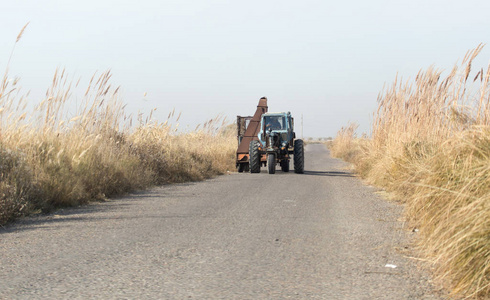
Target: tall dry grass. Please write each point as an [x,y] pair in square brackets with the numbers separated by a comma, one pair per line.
[346,143]
[430,147]
[63,154]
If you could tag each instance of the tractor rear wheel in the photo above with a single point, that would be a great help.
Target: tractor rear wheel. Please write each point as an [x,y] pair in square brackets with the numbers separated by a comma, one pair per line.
[271,163]
[242,167]
[299,156]
[254,152]
[285,165]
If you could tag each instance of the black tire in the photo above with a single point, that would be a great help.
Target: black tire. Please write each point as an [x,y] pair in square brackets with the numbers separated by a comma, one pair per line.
[254,152]
[285,165]
[299,157]
[241,167]
[271,163]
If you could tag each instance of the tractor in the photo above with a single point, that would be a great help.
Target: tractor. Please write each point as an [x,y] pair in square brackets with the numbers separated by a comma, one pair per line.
[270,139]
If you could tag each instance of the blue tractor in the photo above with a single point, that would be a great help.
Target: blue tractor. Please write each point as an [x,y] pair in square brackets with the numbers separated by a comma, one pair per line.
[277,142]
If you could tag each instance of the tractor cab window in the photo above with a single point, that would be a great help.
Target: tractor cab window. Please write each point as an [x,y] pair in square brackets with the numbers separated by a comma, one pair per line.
[275,123]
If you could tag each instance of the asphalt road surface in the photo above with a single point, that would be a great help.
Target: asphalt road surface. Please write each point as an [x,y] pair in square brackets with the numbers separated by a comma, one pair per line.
[318,235]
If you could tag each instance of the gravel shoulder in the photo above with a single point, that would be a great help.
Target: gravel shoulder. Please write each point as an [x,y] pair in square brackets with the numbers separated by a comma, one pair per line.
[318,235]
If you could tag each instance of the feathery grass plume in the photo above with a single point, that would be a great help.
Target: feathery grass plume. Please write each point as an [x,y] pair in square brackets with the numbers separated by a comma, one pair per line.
[430,147]
[5,76]
[19,36]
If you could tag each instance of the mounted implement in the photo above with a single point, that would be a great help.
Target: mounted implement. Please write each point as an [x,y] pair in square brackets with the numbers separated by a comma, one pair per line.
[268,139]
[248,129]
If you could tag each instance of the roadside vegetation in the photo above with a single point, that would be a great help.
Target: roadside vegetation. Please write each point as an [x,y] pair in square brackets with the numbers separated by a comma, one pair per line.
[60,154]
[430,148]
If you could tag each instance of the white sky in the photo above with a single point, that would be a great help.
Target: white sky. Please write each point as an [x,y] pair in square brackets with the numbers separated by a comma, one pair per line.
[327,60]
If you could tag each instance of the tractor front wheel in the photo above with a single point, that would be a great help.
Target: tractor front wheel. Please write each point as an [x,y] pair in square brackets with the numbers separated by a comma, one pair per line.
[299,156]
[271,163]
[254,152]
[285,165]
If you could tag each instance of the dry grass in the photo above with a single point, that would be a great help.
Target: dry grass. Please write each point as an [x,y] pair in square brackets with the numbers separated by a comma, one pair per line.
[346,144]
[60,154]
[430,147]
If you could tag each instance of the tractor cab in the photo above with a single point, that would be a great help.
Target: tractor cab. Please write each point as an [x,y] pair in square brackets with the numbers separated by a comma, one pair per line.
[276,130]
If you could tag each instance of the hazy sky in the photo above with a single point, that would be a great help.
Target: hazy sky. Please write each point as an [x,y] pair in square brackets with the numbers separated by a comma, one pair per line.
[327,60]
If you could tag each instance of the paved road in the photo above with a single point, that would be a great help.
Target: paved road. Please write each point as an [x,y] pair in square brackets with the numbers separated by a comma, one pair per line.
[321,235]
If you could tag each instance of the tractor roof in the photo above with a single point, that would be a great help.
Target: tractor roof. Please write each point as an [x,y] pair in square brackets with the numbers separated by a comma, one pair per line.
[276,113]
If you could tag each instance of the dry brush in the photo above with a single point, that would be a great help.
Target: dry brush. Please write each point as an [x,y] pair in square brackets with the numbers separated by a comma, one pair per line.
[430,147]
[60,154]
